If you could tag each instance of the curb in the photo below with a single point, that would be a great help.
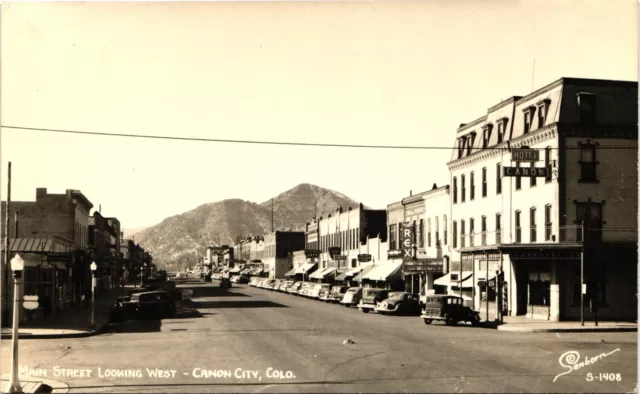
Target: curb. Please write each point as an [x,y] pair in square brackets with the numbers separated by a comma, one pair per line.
[573,330]
[85,334]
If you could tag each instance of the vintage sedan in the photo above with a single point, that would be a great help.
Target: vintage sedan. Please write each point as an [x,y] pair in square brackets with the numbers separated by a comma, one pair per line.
[399,303]
[371,297]
[335,294]
[448,308]
[294,288]
[319,289]
[145,305]
[352,297]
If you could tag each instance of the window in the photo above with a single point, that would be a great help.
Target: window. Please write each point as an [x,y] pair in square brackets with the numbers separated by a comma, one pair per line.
[472,186]
[543,107]
[392,236]
[518,178]
[484,182]
[502,128]
[532,222]
[547,222]
[471,231]
[486,135]
[587,104]
[539,288]
[589,214]
[547,163]
[461,142]
[532,179]
[528,118]
[498,228]
[455,234]
[588,163]
[455,190]
[462,233]
[437,232]
[518,229]
[444,221]
[498,178]
[422,233]
[470,140]
[462,185]
[483,229]
[429,232]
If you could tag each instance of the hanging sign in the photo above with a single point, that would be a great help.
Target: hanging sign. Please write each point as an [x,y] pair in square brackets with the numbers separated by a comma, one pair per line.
[527,155]
[525,171]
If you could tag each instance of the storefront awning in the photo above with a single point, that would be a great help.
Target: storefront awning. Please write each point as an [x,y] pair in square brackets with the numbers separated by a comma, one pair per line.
[352,272]
[365,271]
[382,272]
[321,274]
[257,271]
[290,273]
[305,268]
[235,270]
[36,245]
[447,281]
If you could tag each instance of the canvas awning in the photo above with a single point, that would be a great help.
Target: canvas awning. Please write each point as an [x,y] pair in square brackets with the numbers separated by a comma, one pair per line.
[352,272]
[446,280]
[364,272]
[35,245]
[305,268]
[257,271]
[290,273]
[234,270]
[321,274]
[383,271]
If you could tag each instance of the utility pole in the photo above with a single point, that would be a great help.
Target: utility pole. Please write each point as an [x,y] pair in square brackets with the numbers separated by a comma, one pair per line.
[5,281]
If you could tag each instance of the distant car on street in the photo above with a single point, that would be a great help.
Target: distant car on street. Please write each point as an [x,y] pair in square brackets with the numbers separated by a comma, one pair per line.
[448,308]
[399,303]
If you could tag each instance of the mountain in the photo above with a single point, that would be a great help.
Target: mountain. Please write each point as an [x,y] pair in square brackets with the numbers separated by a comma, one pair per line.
[130,232]
[178,237]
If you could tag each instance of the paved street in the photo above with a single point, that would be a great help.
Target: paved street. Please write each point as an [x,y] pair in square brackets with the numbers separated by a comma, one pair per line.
[240,340]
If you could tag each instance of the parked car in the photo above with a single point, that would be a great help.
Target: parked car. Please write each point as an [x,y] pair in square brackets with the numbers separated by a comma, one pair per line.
[285,285]
[352,297]
[400,303]
[450,309]
[318,289]
[145,305]
[371,297]
[294,288]
[335,294]
[305,288]
[182,275]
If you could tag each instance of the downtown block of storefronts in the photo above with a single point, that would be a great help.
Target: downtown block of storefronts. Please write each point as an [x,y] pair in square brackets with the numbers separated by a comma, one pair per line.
[424,219]
[544,203]
[342,244]
[104,245]
[51,234]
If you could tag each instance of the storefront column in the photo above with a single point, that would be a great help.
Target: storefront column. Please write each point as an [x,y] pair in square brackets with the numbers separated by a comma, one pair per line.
[554,302]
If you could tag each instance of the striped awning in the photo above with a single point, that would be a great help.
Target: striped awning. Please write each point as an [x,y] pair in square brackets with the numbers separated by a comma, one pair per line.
[366,270]
[35,245]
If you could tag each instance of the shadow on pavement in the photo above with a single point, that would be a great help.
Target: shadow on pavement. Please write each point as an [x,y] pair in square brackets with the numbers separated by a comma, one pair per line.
[212,291]
[183,311]
[235,304]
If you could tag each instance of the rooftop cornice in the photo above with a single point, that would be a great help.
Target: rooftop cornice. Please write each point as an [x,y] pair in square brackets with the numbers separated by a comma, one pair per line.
[504,103]
[466,128]
[542,134]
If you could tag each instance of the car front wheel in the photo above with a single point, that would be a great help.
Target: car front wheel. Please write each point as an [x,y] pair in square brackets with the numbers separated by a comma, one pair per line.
[365,310]
[449,320]
[427,321]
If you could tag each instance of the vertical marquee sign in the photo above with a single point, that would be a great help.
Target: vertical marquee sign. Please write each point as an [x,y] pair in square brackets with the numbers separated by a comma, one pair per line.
[407,239]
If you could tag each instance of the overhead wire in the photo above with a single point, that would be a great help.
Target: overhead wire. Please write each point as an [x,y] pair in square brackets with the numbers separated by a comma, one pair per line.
[263,142]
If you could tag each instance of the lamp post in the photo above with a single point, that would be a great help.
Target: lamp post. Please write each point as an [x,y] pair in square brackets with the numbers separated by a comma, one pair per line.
[143,269]
[17,265]
[92,322]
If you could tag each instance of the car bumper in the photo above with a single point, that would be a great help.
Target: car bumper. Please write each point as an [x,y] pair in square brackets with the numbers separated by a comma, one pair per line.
[427,317]
[386,310]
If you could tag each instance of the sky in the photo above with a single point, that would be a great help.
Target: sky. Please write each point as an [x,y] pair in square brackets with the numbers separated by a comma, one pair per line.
[375,73]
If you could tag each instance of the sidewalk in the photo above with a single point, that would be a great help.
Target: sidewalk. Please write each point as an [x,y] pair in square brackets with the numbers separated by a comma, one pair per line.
[528,325]
[72,322]
[35,385]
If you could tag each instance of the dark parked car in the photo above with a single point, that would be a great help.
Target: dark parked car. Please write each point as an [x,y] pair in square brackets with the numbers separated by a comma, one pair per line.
[399,303]
[146,305]
[450,309]
[371,297]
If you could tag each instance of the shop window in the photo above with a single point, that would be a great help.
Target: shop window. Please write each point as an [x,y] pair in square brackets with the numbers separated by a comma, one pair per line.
[487,290]
[539,288]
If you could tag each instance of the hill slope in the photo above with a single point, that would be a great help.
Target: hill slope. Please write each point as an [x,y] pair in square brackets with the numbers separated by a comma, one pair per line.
[219,223]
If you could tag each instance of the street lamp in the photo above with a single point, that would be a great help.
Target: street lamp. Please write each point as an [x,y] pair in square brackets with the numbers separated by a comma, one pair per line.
[143,271]
[92,322]
[17,265]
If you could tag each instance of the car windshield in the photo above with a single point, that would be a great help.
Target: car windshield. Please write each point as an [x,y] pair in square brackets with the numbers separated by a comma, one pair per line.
[397,296]
[352,290]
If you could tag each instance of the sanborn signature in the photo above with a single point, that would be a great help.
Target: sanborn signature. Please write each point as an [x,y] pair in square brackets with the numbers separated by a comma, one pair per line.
[571,361]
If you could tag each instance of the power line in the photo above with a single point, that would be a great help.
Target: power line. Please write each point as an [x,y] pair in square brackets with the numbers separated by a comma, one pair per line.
[258,142]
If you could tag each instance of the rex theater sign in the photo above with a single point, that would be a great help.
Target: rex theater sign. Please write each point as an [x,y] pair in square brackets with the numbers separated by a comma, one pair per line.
[407,242]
